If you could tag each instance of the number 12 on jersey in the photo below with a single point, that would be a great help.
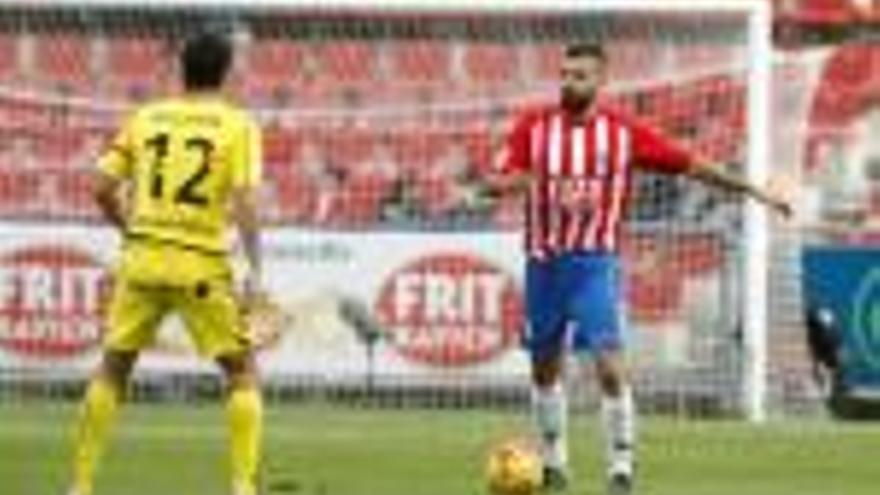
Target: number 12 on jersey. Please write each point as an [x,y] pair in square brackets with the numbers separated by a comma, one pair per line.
[189,192]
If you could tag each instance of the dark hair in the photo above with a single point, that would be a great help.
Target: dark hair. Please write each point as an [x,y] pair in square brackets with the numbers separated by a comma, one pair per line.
[205,58]
[594,50]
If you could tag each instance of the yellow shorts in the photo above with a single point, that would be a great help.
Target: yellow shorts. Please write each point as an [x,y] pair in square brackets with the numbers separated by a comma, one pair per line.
[154,280]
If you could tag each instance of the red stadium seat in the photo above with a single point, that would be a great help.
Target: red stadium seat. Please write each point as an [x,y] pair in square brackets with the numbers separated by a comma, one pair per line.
[17,151]
[546,62]
[821,11]
[338,180]
[359,199]
[655,284]
[847,85]
[281,149]
[854,66]
[133,90]
[421,61]
[655,297]
[417,148]
[491,63]
[435,193]
[479,146]
[10,55]
[58,148]
[136,59]
[64,63]
[19,188]
[657,105]
[276,59]
[698,254]
[631,59]
[347,147]
[347,63]
[657,269]
[74,192]
[296,196]
[259,92]
[136,68]
[274,69]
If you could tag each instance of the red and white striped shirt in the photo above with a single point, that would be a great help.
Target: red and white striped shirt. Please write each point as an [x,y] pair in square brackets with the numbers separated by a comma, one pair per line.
[590,158]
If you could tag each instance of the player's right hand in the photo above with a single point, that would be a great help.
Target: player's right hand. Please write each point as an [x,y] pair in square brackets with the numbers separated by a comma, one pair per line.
[264,319]
[782,207]
[780,204]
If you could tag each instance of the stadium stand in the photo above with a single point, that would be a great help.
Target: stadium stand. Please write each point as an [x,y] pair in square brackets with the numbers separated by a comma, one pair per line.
[336,172]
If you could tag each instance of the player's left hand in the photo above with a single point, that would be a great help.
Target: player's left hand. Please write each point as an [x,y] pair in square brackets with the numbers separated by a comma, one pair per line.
[778,203]
[780,194]
[782,206]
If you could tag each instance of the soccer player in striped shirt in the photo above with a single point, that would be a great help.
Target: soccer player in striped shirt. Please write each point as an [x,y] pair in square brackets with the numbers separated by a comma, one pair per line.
[574,160]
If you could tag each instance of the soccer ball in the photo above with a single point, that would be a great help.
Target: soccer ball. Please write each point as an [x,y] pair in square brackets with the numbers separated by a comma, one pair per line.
[513,468]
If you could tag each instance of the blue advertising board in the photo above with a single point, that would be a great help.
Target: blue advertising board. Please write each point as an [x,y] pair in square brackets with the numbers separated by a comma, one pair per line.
[846,280]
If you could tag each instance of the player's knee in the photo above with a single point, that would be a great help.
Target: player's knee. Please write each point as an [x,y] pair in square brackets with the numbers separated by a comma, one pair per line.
[239,369]
[116,367]
[611,384]
[611,379]
[546,373]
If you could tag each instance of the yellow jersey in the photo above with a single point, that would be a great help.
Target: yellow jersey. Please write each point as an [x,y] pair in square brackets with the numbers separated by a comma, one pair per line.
[183,157]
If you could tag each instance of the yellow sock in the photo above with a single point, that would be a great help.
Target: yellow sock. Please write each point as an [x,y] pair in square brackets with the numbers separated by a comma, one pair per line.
[245,411]
[96,417]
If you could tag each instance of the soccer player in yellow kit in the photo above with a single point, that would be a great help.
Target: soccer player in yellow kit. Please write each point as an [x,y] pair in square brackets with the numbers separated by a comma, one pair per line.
[187,163]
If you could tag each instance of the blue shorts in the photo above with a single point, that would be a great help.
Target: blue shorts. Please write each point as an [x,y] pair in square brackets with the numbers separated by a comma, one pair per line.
[573,292]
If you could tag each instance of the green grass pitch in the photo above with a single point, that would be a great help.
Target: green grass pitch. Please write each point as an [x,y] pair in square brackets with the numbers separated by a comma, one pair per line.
[314,450]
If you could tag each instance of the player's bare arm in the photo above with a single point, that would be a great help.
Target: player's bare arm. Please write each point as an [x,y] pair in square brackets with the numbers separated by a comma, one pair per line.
[107,196]
[246,218]
[713,175]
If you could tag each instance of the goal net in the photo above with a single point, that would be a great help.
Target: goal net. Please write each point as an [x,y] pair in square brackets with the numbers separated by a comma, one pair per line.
[378,124]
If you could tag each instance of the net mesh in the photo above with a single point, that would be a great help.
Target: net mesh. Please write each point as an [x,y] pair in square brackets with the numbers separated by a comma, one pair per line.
[377,128]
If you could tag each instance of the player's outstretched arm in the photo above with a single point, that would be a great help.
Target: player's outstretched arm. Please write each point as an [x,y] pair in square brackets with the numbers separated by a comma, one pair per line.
[713,175]
[510,173]
[107,196]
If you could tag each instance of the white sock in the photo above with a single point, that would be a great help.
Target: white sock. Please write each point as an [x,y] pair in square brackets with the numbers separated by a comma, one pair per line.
[551,413]
[618,423]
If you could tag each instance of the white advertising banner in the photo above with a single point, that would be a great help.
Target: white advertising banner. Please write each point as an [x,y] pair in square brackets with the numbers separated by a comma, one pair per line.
[430,306]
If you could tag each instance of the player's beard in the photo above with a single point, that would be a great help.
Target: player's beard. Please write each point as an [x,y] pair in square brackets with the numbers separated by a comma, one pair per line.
[577,102]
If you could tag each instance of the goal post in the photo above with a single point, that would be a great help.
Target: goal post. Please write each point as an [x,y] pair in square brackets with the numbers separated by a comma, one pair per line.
[756,227]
